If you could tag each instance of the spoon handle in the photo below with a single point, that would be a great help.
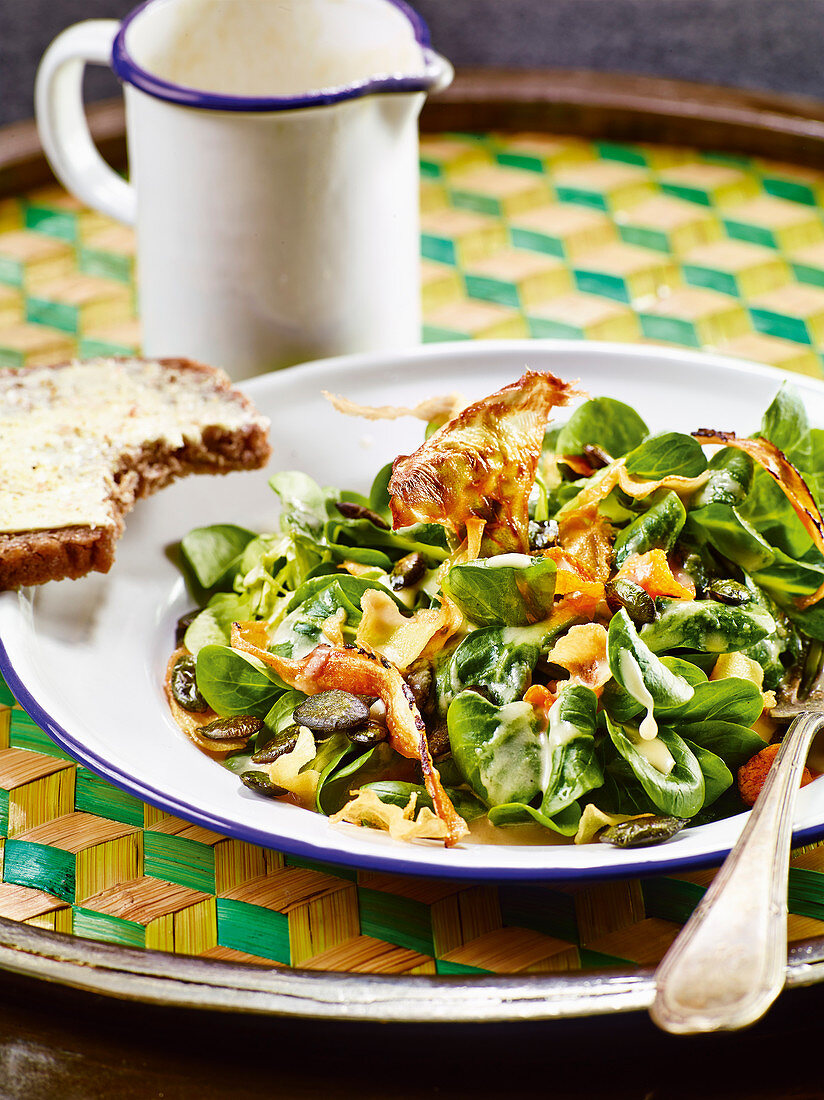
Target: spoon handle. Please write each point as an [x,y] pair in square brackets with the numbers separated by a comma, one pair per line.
[728,964]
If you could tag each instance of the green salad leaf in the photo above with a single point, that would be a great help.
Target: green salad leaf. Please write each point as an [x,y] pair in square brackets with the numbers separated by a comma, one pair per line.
[732,535]
[656,529]
[573,764]
[214,553]
[717,776]
[602,422]
[639,671]
[667,454]
[705,625]
[731,699]
[214,623]
[508,590]
[679,792]
[497,749]
[233,683]
[498,659]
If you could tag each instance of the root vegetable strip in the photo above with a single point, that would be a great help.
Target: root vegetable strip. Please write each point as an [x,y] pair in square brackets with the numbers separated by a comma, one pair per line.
[792,484]
[481,465]
[434,408]
[618,475]
[363,673]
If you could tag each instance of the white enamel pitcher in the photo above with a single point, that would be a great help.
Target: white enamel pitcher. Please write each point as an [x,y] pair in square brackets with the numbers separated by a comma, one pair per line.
[273,153]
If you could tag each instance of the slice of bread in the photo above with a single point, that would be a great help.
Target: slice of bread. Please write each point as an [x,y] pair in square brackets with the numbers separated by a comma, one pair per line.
[81,441]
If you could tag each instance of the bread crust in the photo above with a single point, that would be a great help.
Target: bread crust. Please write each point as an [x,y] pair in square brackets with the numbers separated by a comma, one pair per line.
[35,557]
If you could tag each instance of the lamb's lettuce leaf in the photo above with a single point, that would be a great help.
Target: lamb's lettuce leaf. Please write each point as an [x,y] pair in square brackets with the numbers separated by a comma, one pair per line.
[681,792]
[667,454]
[233,683]
[214,553]
[603,422]
[497,749]
[507,590]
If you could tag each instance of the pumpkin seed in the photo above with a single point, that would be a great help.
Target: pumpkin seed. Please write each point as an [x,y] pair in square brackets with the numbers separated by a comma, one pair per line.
[349,510]
[260,783]
[542,535]
[596,456]
[643,831]
[231,729]
[279,745]
[183,684]
[438,740]
[370,734]
[729,592]
[638,604]
[407,571]
[481,689]
[421,680]
[183,624]
[330,711]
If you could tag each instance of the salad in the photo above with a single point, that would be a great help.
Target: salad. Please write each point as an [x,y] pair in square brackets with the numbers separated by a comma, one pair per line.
[579,627]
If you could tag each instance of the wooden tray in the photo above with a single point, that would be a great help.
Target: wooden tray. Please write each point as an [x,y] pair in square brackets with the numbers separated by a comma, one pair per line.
[593,947]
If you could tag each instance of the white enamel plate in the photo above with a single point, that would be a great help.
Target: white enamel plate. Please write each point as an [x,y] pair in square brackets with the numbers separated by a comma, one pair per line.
[86,658]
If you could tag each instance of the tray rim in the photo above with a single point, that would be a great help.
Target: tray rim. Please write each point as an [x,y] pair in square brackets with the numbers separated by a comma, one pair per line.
[577,102]
[143,975]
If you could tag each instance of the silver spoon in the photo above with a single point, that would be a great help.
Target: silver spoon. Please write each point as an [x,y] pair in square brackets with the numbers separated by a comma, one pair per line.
[728,963]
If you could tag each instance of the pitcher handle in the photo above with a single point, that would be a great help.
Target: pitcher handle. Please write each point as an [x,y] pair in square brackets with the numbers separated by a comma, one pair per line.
[62,124]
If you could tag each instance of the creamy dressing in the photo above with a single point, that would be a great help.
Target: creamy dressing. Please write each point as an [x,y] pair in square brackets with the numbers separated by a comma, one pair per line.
[510,635]
[546,759]
[559,733]
[505,755]
[513,561]
[634,683]
[525,635]
[655,752]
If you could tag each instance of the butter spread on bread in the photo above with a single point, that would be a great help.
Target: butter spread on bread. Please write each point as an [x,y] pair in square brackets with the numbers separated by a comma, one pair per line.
[80,441]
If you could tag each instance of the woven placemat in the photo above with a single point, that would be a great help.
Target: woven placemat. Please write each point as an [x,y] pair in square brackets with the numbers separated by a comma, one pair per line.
[522,235]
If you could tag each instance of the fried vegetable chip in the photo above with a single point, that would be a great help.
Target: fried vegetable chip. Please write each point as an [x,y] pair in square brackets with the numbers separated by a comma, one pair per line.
[481,465]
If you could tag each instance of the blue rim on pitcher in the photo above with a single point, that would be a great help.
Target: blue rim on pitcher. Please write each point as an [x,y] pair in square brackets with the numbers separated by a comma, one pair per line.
[127,70]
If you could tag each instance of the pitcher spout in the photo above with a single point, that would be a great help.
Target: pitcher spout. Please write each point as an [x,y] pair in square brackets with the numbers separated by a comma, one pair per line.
[439,72]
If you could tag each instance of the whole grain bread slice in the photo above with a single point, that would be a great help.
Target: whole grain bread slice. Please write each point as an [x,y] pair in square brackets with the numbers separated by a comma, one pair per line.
[81,441]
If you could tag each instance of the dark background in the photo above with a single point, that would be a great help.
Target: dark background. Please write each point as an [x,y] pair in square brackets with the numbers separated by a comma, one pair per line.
[767,44]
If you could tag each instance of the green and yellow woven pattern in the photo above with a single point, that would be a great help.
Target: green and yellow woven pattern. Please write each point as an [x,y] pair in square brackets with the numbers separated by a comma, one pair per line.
[523,235]
[83,857]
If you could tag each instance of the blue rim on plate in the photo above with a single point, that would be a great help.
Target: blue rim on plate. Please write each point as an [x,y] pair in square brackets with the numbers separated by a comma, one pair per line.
[221,821]
[128,70]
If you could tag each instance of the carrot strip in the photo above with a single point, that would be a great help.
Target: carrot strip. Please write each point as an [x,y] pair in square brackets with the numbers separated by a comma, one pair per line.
[651,571]
[362,673]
